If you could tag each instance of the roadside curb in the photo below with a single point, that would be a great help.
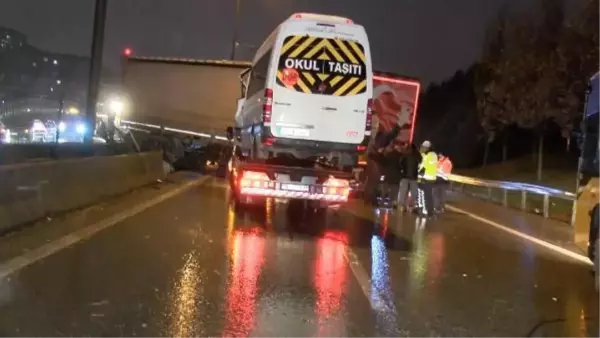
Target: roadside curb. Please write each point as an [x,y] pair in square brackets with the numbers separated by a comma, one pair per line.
[556,248]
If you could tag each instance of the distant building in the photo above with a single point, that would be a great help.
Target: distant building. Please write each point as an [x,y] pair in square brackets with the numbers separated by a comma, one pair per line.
[37,82]
[11,39]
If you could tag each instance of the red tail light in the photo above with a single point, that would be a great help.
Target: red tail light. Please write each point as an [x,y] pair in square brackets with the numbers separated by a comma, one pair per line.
[254,179]
[336,186]
[269,141]
[268,106]
[369,117]
[361,148]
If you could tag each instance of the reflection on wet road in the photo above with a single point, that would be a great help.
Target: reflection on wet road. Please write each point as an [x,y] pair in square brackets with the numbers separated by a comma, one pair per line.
[191,266]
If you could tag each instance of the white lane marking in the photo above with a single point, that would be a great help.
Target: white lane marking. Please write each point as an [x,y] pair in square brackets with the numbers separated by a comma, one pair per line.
[17,263]
[361,275]
[526,237]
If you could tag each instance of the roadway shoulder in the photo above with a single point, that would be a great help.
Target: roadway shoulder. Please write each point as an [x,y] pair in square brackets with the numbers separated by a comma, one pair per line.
[547,230]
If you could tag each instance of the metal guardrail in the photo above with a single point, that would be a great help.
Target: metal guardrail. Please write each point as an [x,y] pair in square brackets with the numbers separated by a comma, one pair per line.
[526,190]
[128,124]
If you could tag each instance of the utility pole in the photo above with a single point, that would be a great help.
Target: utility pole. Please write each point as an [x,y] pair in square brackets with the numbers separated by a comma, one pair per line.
[95,69]
[236,20]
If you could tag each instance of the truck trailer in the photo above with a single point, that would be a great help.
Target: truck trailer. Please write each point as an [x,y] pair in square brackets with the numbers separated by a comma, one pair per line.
[196,96]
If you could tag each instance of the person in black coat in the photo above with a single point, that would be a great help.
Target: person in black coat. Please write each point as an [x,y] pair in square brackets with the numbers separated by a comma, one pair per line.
[381,162]
[386,189]
[409,164]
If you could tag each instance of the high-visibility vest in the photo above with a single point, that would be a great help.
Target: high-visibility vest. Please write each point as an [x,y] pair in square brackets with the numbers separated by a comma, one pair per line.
[429,163]
[444,168]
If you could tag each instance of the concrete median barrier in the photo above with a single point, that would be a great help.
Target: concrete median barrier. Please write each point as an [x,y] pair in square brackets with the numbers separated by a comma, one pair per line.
[31,191]
[21,153]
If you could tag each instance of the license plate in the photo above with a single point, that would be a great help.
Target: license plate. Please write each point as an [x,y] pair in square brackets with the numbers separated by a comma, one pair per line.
[295,187]
[295,132]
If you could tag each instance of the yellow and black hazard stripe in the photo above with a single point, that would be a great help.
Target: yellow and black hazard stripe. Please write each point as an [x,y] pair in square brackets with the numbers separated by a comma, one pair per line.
[318,51]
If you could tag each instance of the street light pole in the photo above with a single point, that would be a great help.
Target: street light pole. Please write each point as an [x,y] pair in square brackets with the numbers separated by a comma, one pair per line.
[95,69]
[236,20]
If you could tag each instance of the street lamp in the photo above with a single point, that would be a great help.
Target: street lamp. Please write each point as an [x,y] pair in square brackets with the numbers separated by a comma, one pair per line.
[116,106]
[95,68]
[72,110]
[236,20]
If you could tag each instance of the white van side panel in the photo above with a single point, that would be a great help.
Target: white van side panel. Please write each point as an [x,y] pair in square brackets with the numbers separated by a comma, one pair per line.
[251,113]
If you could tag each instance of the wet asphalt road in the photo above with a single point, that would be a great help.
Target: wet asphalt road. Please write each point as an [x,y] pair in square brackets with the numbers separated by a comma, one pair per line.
[190,266]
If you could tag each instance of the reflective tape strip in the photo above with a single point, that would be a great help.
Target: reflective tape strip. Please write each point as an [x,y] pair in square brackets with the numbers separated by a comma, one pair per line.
[358,49]
[302,46]
[291,194]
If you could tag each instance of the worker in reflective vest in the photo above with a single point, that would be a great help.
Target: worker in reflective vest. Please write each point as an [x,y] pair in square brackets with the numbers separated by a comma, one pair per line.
[444,169]
[427,179]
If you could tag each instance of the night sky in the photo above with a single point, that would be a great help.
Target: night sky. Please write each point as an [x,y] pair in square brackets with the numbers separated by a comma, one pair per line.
[428,39]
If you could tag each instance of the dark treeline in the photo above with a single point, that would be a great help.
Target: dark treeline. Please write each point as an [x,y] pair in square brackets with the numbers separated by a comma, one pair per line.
[526,93]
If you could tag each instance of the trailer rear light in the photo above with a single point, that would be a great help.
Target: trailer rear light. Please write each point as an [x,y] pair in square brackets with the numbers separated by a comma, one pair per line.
[254,179]
[336,182]
[369,121]
[268,106]
[321,17]
[361,148]
[269,141]
[336,186]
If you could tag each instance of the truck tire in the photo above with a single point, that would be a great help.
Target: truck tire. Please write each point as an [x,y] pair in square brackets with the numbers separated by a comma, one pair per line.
[597,266]
[254,151]
[593,248]
[236,201]
[242,204]
[348,162]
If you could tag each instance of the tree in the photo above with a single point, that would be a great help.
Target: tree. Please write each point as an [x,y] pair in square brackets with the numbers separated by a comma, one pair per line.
[490,84]
[525,83]
[541,74]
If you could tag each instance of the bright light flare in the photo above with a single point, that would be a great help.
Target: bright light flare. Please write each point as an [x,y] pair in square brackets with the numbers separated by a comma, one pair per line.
[117,106]
[80,128]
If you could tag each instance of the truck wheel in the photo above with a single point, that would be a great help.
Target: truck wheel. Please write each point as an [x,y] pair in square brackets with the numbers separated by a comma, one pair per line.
[254,148]
[594,244]
[238,206]
[237,201]
[348,162]
[244,204]
[597,266]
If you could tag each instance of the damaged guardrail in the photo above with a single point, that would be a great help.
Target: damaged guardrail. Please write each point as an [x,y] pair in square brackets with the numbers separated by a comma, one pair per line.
[549,202]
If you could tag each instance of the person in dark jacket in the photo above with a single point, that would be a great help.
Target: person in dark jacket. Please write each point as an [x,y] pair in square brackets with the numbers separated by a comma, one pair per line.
[382,193]
[391,172]
[409,165]
[380,163]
